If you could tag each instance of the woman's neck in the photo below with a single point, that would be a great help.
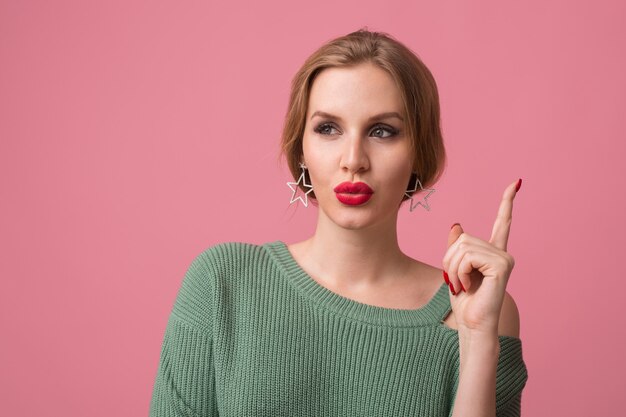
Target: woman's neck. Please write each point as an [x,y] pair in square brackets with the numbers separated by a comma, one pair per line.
[355,258]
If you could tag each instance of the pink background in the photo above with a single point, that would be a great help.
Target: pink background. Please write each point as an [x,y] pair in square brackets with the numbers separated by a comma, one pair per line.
[133,135]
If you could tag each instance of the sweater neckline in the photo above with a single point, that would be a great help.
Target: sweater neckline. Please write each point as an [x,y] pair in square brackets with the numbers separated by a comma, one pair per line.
[432,313]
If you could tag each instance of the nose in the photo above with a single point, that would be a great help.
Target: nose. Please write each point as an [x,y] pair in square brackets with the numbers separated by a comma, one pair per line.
[354,157]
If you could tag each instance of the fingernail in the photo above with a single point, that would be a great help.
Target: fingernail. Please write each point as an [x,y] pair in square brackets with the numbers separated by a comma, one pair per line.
[454,225]
[519,184]
[462,287]
[452,289]
[445,277]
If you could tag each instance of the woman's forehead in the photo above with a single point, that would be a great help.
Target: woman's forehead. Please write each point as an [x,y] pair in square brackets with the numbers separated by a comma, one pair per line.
[365,90]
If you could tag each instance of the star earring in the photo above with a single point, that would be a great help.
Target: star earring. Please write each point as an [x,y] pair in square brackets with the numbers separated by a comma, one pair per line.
[294,187]
[425,202]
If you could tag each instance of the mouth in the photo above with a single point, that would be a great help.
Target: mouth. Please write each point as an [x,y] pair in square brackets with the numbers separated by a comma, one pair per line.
[353,188]
[353,194]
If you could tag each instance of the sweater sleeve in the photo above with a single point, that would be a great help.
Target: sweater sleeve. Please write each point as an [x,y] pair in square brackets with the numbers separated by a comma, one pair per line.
[511,377]
[185,380]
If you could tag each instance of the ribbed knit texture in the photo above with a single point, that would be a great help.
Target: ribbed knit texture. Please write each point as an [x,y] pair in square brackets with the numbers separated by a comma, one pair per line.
[252,334]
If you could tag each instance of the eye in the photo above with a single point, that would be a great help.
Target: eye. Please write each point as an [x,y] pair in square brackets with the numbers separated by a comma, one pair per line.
[324,129]
[384,128]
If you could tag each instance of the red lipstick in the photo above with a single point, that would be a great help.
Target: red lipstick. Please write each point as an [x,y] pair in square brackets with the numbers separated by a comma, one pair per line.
[353,194]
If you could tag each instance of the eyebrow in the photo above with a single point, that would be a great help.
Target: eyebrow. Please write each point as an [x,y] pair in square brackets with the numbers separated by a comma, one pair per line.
[376,117]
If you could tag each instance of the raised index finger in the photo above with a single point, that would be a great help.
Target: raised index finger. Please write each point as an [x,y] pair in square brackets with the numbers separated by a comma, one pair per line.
[502,225]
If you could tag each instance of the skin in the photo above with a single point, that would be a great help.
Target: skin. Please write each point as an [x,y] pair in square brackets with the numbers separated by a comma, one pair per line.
[482,309]
[354,250]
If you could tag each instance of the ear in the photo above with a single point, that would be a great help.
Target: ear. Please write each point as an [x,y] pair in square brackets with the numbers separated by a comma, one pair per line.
[411,182]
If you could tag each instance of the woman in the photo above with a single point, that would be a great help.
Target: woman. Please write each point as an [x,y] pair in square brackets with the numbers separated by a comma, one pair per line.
[344,323]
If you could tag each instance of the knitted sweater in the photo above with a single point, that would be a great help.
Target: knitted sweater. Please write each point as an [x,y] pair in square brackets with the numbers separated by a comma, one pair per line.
[252,334]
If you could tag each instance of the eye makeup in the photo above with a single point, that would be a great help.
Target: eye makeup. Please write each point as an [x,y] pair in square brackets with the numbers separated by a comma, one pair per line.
[323,129]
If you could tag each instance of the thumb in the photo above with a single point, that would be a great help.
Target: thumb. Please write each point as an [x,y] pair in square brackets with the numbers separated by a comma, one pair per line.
[454,234]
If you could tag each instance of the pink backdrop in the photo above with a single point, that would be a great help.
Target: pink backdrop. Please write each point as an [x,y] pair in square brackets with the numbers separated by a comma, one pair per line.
[134,134]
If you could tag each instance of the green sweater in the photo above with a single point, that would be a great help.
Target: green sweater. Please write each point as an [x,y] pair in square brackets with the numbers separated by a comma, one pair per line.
[252,334]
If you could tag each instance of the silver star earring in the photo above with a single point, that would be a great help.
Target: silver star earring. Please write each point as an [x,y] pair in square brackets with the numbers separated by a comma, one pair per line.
[424,199]
[294,187]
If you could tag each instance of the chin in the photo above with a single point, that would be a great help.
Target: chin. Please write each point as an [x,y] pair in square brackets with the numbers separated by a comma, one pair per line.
[353,219]
[357,217]
[353,225]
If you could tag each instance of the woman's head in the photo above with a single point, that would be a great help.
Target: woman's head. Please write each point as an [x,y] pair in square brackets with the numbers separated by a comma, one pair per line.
[417,88]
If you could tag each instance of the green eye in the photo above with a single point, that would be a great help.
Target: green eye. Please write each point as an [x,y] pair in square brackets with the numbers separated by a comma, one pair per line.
[383,128]
[324,129]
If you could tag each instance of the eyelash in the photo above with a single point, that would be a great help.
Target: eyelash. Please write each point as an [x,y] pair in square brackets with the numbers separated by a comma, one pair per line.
[392,131]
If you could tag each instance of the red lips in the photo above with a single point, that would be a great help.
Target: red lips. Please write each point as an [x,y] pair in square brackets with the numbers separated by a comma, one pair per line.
[353,188]
[353,194]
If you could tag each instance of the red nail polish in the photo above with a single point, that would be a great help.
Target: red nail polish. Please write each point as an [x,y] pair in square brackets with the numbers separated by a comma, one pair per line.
[462,287]
[452,289]
[445,277]
[454,225]
[519,184]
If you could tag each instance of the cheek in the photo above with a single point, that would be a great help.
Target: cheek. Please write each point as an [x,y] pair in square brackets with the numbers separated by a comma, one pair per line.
[311,151]
[319,162]
[400,176]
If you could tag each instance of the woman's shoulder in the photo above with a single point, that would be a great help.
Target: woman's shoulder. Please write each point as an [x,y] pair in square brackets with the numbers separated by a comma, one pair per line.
[220,261]
[223,257]
[229,267]
[509,323]
[228,249]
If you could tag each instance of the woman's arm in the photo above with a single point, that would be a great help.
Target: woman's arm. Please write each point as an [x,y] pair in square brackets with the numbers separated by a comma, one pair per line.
[477,272]
[476,392]
[185,380]
[479,353]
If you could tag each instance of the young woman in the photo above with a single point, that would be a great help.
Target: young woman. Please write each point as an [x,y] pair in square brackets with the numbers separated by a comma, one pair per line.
[344,323]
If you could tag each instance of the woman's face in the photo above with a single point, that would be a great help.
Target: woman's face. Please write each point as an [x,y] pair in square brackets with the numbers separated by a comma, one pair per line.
[354,133]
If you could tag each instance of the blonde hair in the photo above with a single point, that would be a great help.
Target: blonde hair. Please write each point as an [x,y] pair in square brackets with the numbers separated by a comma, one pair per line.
[415,82]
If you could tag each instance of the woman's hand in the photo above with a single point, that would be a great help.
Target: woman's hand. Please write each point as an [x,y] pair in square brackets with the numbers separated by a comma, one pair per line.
[477,271]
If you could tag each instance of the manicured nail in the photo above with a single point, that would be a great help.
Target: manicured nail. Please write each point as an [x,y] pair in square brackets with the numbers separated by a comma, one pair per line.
[452,289]
[462,287]
[519,184]
[445,277]
[454,225]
